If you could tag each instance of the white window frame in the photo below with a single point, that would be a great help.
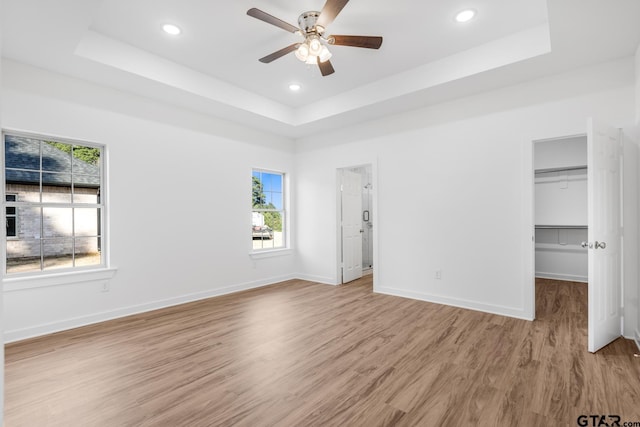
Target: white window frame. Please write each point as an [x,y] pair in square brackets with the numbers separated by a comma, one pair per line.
[54,277]
[284,213]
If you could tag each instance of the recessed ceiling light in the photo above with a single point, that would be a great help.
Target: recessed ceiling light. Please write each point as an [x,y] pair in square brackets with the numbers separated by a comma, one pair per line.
[174,30]
[465,15]
[294,87]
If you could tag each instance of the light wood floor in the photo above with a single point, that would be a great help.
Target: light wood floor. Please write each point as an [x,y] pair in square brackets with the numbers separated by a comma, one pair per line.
[299,353]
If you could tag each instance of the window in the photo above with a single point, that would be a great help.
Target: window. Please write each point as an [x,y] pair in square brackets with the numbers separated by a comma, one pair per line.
[54,187]
[268,225]
[11,215]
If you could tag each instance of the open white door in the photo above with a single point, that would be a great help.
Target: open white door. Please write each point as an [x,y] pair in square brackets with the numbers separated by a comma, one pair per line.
[351,226]
[605,237]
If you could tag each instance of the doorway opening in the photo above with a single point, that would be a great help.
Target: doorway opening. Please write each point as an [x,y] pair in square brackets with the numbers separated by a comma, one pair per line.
[561,227]
[560,176]
[561,221]
[356,222]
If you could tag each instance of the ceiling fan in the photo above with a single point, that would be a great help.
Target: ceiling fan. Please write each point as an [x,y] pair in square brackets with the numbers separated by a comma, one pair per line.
[312,26]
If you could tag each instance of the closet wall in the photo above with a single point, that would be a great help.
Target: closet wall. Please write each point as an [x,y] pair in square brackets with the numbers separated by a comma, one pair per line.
[561,208]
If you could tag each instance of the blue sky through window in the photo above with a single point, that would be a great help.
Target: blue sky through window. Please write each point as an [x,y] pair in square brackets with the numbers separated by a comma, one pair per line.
[271,187]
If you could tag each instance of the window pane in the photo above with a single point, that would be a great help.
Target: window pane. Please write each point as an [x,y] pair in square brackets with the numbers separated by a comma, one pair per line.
[11,226]
[57,253]
[56,188]
[22,177]
[87,251]
[87,222]
[56,157]
[21,153]
[23,250]
[86,195]
[81,180]
[30,218]
[267,230]
[86,174]
[60,179]
[267,190]
[86,160]
[23,255]
[58,222]
[263,243]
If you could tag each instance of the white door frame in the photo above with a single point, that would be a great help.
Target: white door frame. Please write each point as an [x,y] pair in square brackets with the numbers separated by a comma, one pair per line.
[374,212]
[529,299]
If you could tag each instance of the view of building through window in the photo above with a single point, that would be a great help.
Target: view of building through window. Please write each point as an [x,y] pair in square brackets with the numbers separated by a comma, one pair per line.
[53,204]
[268,215]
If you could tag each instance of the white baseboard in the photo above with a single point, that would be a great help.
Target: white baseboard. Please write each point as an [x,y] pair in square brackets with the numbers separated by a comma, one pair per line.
[564,277]
[460,303]
[317,279]
[76,322]
[637,339]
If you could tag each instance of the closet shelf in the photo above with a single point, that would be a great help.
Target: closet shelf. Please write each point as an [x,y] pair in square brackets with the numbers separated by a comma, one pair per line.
[571,227]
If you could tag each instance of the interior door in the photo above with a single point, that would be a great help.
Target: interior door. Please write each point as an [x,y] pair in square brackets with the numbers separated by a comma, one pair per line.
[351,226]
[605,238]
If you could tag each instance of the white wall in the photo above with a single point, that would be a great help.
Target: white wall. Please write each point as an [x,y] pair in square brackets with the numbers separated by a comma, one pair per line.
[631,227]
[637,302]
[638,86]
[179,200]
[560,153]
[454,187]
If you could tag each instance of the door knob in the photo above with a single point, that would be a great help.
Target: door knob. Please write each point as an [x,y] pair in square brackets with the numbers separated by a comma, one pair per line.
[600,245]
[596,245]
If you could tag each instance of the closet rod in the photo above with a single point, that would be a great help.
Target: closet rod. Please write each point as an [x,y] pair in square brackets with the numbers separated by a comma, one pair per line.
[572,227]
[571,168]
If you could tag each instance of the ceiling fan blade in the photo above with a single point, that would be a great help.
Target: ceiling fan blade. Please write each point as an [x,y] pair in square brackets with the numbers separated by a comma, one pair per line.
[329,11]
[325,67]
[269,19]
[369,42]
[277,54]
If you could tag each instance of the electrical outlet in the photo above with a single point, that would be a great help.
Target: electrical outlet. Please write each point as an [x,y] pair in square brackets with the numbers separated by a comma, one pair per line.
[438,274]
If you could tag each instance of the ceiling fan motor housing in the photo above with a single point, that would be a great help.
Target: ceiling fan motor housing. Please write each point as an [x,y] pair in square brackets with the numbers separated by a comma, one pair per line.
[307,23]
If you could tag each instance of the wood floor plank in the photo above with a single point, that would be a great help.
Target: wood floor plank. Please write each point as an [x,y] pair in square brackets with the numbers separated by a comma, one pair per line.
[300,353]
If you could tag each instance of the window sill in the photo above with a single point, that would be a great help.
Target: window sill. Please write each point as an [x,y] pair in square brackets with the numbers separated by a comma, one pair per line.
[270,253]
[12,284]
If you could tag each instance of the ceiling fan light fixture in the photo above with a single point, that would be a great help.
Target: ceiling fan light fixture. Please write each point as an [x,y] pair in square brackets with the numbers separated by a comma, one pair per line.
[325,55]
[302,52]
[315,47]
[312,60]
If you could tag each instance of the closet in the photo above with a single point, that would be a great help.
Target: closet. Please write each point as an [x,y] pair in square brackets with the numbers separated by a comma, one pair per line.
[561,208]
